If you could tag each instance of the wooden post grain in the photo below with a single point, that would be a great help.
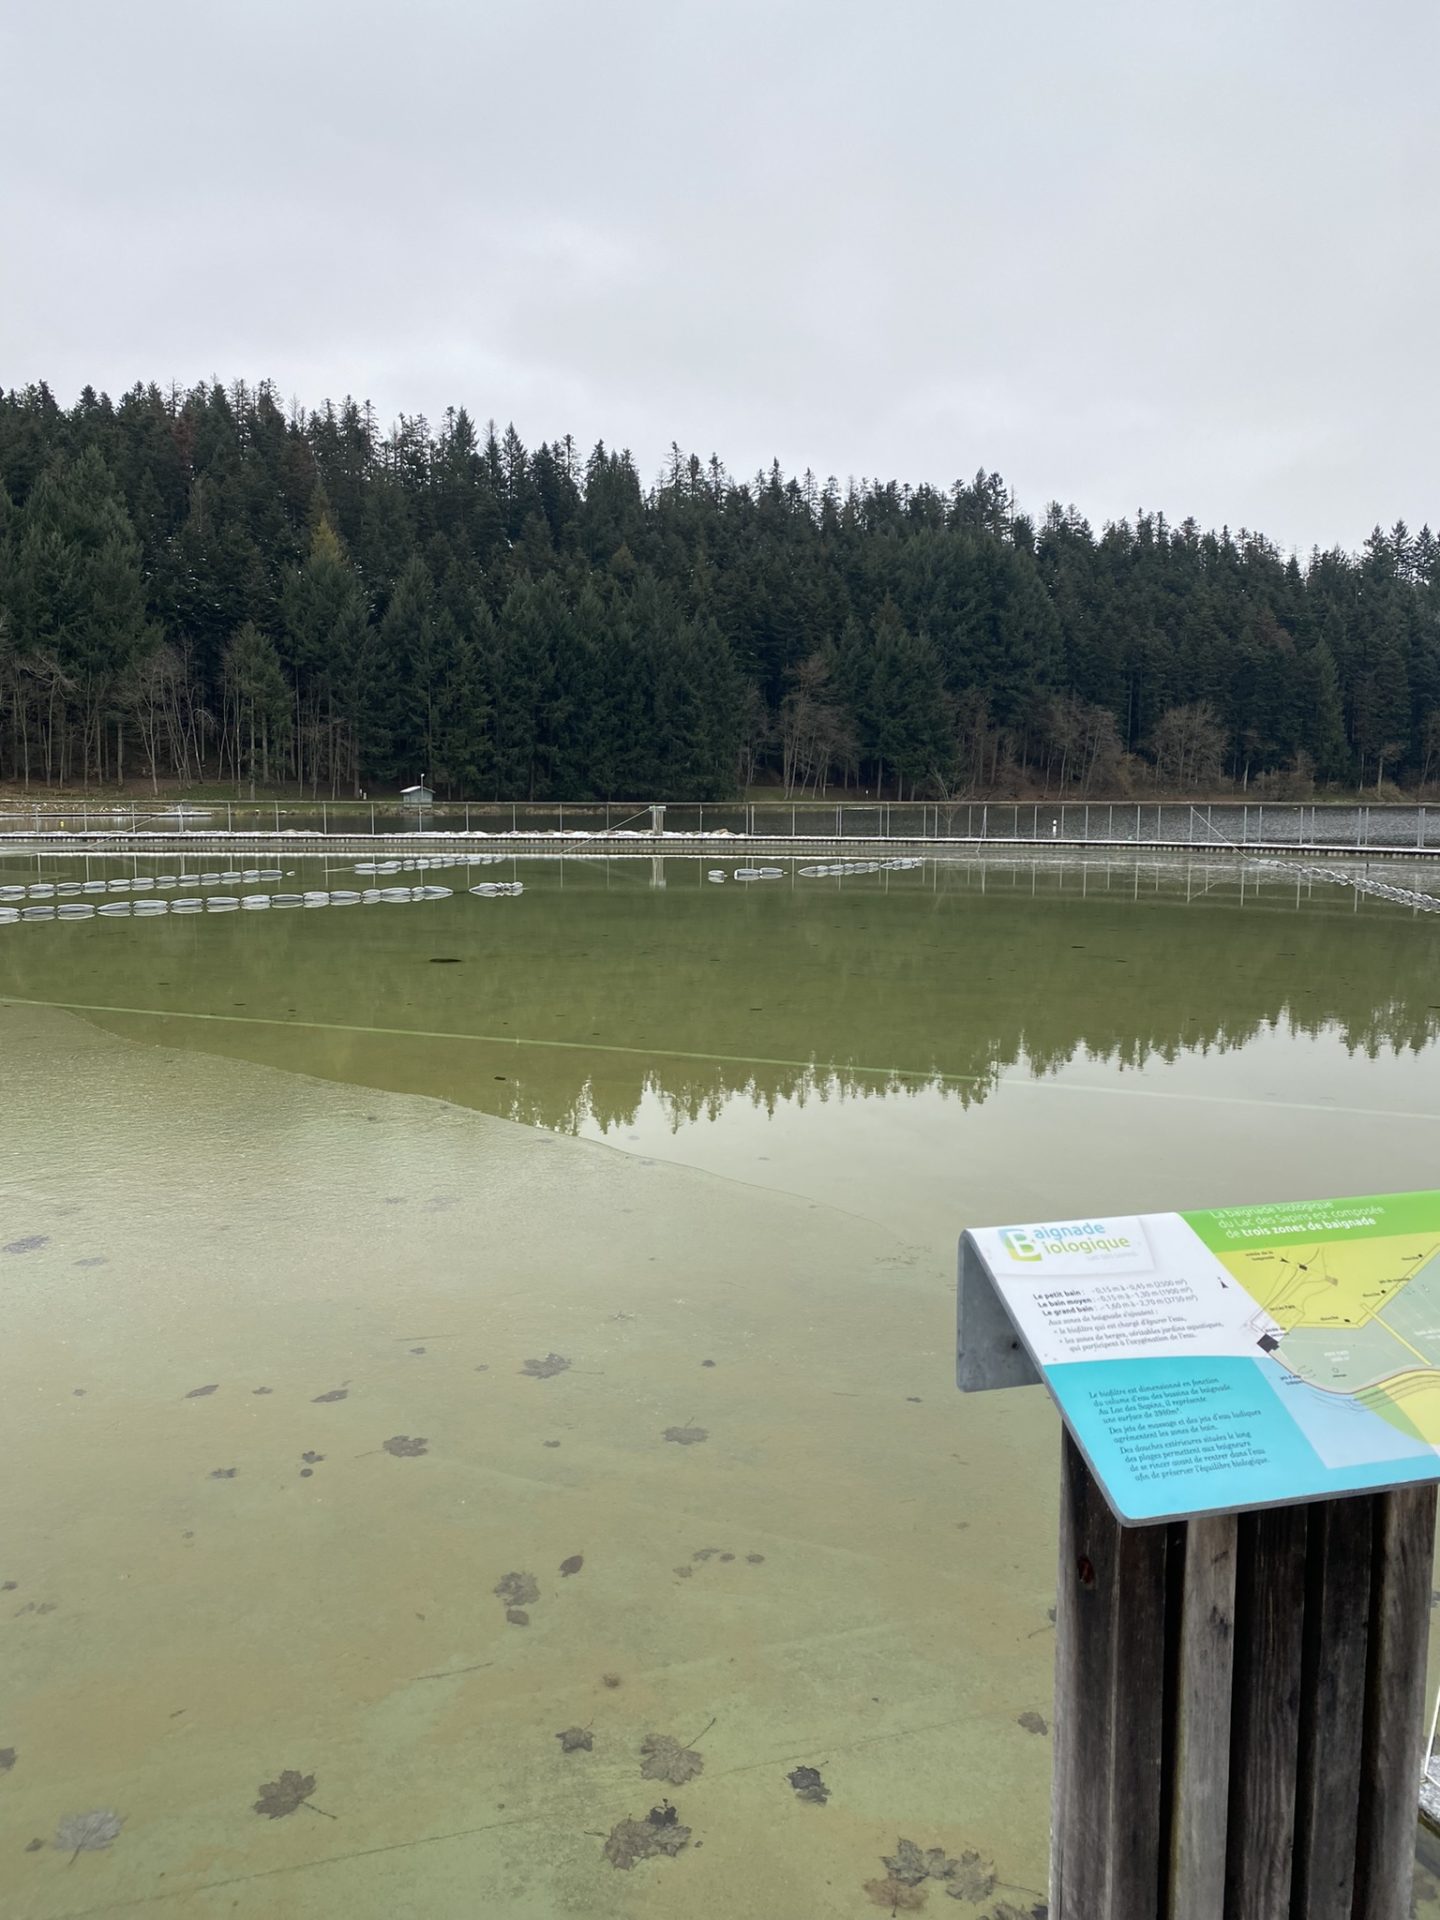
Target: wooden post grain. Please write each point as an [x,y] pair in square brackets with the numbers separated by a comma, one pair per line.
[1200,1780]
[1265,1713]
[1109,1713]
[1332,1707]
[1400,1574]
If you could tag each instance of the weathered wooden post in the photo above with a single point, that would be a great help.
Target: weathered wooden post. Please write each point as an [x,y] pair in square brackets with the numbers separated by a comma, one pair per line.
[1251,1405]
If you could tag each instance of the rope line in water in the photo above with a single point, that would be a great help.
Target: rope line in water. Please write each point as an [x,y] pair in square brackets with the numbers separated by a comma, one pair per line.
[1336,876]
[927,1076]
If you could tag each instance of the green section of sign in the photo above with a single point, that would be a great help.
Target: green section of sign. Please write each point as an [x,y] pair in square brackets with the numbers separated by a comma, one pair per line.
[1368,1217]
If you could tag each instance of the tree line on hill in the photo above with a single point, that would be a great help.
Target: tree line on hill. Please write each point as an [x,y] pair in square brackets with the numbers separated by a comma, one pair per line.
[208,586]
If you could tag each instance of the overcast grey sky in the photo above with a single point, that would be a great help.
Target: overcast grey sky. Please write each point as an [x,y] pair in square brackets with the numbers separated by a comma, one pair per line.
[1127,253]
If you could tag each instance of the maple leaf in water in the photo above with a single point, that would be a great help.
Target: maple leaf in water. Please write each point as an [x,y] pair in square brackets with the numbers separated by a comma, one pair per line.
[687,1436]
[518,1589]
[632,1840]
[282,1796]
[665,1758]
[973,1879]
[808,1785]
[404,1447]
[911,1864]
[552,1364]
[576,1740]
[896,1896]
[90,1832]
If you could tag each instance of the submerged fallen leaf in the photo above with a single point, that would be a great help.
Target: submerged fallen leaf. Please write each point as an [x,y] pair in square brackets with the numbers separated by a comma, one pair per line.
[7,1759]
[517,1616]
[632,1840]
[552,1364]
[896,1896]
[972,1878]
[685,1573]
[573,1564]
[224,1473]
[199,1393]
[91,1832]
[34,1846]
[518,1589]
[293,1789]
[336,1393]
[666,1759]
[1033,1723]
[403,1447]
[576,1740]
[687,1436]
[808,1785]
[912,1865]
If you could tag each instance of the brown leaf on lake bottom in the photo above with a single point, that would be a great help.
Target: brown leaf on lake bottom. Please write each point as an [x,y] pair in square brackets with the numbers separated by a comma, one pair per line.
[973,1878]
[517,1589]
[912,1864]
[545,1369]
[325,1399]
[576,1740]
[665,1758]
[808,1785]
[200,1393]
[573,1564]
[687,1436]
[91,1832]
[896,1896]
[1033,1723]
[517,1616]
[293,1789]
[632,1840]
[7,1759]
[404,1447]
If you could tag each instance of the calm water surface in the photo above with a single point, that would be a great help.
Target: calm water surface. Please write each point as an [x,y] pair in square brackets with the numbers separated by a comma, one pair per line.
[347,1169]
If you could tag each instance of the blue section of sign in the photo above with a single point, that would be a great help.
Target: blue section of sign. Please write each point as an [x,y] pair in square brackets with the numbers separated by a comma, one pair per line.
[1169,1437]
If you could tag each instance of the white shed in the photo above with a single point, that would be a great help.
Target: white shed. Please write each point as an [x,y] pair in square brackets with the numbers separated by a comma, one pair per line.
[420,796]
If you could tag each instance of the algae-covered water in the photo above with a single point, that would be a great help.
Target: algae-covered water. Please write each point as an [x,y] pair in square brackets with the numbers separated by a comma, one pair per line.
[279,1187]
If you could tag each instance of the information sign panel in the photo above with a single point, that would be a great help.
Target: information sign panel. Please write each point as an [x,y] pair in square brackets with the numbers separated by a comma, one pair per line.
[1212,1362]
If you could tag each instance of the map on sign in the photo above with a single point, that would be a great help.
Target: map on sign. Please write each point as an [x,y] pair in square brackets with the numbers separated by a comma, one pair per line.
[1254,1356]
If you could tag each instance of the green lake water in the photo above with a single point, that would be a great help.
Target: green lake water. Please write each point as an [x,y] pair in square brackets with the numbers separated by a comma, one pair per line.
[349,1168]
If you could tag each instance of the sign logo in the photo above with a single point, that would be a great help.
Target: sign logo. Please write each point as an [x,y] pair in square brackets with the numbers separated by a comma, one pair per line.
[1069,1248]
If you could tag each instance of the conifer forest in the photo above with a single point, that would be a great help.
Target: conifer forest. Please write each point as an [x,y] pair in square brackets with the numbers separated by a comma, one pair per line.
[215,586]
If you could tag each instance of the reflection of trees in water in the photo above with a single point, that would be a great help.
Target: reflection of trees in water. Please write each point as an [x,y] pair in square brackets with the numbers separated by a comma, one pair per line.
[1374,993]
[842,991]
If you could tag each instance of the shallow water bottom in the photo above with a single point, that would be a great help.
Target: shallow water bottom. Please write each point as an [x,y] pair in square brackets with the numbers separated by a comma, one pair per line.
[224,1288]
